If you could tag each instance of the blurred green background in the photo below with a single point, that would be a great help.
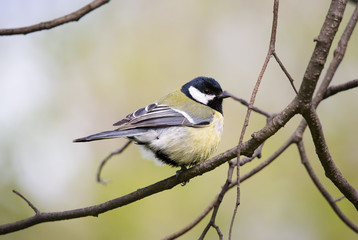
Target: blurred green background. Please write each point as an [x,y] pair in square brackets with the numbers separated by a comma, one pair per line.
[81,77]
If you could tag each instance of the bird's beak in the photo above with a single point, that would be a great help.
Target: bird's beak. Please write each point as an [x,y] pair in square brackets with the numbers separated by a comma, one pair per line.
[225,94]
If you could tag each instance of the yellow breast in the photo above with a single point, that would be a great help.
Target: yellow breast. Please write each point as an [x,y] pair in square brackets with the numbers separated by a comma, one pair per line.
[199,143]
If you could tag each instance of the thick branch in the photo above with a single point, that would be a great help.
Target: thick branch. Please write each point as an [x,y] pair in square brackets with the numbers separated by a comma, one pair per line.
[338,55]
[331,170]
[332,202]
[311,117]
[74,16]
[320,53]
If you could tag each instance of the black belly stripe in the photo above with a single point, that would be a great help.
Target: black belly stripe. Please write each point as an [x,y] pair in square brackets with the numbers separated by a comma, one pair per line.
[165,158]
[160,155]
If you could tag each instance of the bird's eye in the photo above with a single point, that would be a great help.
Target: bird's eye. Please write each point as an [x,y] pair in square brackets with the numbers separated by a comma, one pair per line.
[206,91]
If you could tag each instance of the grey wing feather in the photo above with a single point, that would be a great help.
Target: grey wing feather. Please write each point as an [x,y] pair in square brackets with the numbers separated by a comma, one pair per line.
[155,115]
[110,134]
[152,116]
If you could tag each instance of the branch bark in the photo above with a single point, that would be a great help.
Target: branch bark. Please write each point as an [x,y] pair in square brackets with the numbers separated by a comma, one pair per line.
[330,168]
[320,53]
[74,16]
[308,108]
[332,202]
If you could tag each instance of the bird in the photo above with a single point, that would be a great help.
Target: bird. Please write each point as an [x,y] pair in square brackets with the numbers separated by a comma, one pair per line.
[181,129]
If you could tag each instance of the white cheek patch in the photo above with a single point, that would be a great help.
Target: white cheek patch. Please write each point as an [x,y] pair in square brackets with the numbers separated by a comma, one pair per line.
[199,96]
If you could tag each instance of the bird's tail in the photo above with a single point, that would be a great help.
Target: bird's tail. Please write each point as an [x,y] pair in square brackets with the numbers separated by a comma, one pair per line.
[109,134]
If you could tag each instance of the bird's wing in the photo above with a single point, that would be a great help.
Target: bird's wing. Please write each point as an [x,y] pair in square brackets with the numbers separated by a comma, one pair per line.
[158,115]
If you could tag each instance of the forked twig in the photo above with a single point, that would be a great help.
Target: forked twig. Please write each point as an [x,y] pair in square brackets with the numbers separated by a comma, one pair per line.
[104,161]
[223,191]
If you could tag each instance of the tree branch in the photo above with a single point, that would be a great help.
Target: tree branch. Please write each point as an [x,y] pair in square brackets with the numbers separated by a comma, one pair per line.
[95,210]
[332,202]
[74,16]
[338,55]
[309,112]
[320,53]
[245,103]
[339,88]
[330,168]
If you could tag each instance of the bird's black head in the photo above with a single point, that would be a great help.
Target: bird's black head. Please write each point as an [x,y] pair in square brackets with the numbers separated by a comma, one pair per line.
[205,90]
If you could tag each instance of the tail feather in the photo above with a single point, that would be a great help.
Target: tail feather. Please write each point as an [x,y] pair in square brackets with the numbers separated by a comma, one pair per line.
[109,135]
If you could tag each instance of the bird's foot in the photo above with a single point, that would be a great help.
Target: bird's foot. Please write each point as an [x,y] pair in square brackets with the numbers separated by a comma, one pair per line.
[182,169]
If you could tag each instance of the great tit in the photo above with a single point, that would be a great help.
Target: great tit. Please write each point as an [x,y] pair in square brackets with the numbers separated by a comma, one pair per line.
[181,129]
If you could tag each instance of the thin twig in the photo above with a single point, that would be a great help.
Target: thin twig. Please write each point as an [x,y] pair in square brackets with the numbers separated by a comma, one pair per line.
[257,154]
[27,201]
[339,199]
[255,109]
[251,104]
[332,90]
[218,231]
[288,75]
[74,16]
[104,161]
